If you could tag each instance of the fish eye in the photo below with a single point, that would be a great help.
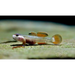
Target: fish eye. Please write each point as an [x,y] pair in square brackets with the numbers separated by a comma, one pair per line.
[17,34]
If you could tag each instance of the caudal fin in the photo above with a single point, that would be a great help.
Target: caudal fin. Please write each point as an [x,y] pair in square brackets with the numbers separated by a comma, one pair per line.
[56,39]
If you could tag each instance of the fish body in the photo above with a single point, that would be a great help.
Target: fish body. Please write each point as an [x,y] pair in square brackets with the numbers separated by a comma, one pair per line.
[40,38]
[31,39]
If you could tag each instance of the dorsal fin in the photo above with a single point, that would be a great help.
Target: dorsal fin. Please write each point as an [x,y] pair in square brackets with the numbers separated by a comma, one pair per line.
[42,34]
[33,34]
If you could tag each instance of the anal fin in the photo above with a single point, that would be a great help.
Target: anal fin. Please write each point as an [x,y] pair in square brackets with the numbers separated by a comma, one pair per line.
[42,43]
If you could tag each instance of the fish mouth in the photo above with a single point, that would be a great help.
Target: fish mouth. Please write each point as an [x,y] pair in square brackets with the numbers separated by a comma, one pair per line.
[14,37]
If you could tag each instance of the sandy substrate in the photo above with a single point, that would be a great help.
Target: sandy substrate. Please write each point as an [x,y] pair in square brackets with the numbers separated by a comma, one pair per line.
[65,50]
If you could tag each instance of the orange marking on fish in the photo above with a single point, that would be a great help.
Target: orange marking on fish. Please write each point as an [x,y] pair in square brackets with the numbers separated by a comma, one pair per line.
[41,43]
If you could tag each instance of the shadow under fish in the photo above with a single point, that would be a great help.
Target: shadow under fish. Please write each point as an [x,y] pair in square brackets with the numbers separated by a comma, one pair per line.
[8,42]
[33,45]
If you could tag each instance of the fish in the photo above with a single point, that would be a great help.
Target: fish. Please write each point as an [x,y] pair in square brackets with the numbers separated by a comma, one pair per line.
[39,38]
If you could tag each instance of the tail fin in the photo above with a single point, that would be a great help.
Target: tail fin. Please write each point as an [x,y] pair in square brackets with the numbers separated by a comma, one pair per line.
[56,39]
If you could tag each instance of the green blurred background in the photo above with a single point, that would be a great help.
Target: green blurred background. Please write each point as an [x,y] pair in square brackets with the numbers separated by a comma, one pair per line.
[9,27]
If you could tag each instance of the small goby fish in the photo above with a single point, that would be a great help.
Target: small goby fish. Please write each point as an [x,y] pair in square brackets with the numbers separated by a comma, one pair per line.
[37,38]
